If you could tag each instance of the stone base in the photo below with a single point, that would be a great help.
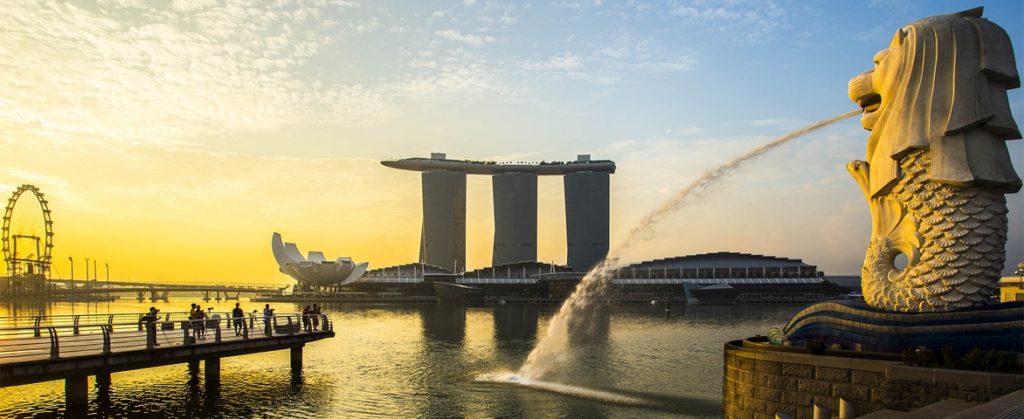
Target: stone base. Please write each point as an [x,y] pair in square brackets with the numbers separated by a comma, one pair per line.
[763,379]
[854,324]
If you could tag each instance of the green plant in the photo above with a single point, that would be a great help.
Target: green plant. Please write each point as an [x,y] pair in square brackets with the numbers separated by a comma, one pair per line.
[976,359]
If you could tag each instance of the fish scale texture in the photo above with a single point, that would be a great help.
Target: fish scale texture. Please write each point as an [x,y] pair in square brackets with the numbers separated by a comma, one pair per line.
[961,232]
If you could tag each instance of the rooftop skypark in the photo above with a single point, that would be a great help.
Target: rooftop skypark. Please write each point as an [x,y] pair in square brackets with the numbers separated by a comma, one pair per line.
[439,161]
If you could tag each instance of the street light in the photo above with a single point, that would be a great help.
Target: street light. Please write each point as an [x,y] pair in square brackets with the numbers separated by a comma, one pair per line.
[86,272]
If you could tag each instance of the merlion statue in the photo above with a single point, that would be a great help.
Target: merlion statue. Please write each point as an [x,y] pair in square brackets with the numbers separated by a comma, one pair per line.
[937,163]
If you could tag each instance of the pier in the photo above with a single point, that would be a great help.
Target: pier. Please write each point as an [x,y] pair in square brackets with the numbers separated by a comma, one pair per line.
[72,347]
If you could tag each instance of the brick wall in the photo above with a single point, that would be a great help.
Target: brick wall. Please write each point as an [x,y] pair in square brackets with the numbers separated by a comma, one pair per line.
[761,380]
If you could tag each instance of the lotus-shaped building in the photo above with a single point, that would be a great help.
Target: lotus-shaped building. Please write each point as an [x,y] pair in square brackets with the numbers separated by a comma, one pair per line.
[315,271]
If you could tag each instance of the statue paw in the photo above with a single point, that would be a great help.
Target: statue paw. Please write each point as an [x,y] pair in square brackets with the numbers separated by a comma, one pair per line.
[859,170]
[857,166]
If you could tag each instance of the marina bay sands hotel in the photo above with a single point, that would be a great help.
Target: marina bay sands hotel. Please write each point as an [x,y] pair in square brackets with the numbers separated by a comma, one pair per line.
[443,239]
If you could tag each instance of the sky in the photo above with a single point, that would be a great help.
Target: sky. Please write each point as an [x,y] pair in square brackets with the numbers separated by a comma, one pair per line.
[173,138]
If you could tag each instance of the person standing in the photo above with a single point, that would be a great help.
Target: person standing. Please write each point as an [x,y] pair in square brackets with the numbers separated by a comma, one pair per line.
[315,313]
[150,319]
[239,319]
[305,319]
[267,314]
[199,323]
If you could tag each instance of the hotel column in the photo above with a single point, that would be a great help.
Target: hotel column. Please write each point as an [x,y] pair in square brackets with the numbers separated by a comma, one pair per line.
[515,217]
[444,219]
[586,218]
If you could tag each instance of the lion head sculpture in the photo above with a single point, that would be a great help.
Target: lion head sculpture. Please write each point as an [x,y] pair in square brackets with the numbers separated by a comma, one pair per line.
[941,86]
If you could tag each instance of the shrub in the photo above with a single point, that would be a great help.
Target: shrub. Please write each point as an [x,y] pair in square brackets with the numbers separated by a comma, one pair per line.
[976,359]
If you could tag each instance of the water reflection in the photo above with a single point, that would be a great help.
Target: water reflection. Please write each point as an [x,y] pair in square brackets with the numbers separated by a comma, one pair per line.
[444,322]
[515,325]
[420,360]
[444,330]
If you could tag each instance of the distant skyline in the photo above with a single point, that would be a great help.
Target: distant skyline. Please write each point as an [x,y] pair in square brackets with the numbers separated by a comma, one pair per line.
[172,140]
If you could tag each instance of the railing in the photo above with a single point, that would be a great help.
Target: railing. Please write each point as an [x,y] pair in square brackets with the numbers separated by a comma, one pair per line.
[64,336]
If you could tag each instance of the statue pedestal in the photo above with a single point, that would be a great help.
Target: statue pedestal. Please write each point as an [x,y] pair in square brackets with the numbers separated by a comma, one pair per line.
[761,380]
[856,326]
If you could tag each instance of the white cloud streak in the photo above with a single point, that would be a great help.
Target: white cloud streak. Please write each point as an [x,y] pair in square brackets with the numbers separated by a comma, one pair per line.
[466,38]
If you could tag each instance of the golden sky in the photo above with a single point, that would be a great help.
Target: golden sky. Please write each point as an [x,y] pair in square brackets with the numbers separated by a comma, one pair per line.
[172,139]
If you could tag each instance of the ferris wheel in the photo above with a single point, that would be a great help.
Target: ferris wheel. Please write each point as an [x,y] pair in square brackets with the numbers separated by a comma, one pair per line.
[27,233]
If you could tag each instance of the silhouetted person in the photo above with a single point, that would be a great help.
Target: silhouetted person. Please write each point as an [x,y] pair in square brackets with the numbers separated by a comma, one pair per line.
[315,312]
[239,319]
[150,320]
[267,314]
[200,323]
[305,319]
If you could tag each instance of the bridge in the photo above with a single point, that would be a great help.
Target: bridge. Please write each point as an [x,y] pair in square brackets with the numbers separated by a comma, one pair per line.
[159,291]
[72,347]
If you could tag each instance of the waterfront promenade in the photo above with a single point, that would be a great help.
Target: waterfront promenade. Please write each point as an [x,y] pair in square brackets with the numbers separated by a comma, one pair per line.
[72,347]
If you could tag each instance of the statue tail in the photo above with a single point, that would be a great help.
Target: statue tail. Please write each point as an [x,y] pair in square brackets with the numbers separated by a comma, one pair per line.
[963,234]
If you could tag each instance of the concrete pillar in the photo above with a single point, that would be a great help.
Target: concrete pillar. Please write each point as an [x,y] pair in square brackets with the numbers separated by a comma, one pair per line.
[846,409]
[193,367]
[212,371]
[103,379]
[76,392]
[296,358]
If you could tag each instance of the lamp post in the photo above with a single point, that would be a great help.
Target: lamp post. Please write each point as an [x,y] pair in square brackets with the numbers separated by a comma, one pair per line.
[87,272]
[70,259]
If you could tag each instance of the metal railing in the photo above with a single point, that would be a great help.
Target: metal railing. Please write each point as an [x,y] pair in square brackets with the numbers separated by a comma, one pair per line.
[65,336]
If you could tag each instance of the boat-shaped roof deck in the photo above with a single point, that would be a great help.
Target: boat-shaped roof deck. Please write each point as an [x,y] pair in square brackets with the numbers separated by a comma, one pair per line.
[421,164]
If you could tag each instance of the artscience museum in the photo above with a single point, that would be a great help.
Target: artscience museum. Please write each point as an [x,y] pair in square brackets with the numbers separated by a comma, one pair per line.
[314,272]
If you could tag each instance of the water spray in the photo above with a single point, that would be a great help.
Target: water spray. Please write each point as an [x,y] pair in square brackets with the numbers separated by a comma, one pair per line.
[592,292]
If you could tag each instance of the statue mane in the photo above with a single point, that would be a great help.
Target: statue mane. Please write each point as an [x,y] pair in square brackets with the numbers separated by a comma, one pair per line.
[949,97]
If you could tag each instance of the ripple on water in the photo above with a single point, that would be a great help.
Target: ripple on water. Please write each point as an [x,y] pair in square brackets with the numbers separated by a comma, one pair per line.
[389,366]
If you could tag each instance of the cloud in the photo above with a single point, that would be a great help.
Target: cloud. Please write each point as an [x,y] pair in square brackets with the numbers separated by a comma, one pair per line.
[624,57]
[158,74]
[192,5]
[564,61]
[684,131]
[176,73]
[578,4]
[469,39]
[746,20]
